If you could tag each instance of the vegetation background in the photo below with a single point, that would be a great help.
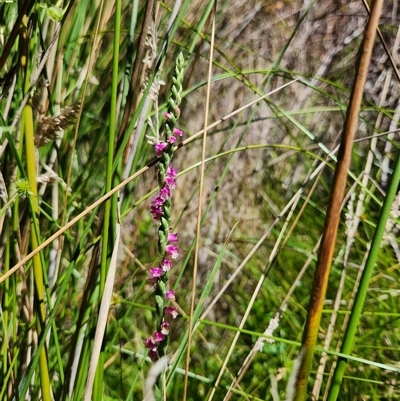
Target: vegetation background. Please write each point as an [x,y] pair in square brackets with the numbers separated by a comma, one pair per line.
[75,97]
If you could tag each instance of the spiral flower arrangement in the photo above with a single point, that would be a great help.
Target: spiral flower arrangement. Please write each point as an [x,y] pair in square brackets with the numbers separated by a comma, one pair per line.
[160,208]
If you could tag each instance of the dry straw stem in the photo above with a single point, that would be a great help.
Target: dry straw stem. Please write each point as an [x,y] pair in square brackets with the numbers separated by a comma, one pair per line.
[93,206]
[298,392]
[103,313]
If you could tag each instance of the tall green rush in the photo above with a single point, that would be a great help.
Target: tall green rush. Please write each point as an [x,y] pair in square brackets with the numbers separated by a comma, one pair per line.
[97,391]
[34,210]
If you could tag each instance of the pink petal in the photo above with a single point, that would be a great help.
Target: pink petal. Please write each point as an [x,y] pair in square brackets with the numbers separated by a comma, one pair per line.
[171,182]
[172,250]
[153,354]
[149,343]
[159,147]
[172,237]
[166,265]
[171,171]
[171,311]
[170,295]
[165,328]
[157,337]
[165,193]
[155,272]
[177,131]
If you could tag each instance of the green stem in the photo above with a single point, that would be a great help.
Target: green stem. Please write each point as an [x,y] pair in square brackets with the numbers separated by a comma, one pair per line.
[111,145]
[97,395]
[34,209]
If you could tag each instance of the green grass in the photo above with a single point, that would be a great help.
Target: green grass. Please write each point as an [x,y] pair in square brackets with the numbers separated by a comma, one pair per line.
[73,124]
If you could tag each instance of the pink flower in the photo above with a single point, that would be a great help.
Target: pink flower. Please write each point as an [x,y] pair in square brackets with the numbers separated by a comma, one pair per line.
[170,181]
[177,131]
[156,204]
[171,311]
[157,337]
[171,171]
[172,237]
[157,201]
[172,250]
[167,115]
[172,139]
[166,265]
[156,212]
[170,295]
[159,147]
[155,273]
[165,328]
[151,344]
[165,193]
[153,354]
[170,177]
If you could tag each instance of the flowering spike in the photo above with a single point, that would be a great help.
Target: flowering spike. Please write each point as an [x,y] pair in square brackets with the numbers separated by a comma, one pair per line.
[160,208]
